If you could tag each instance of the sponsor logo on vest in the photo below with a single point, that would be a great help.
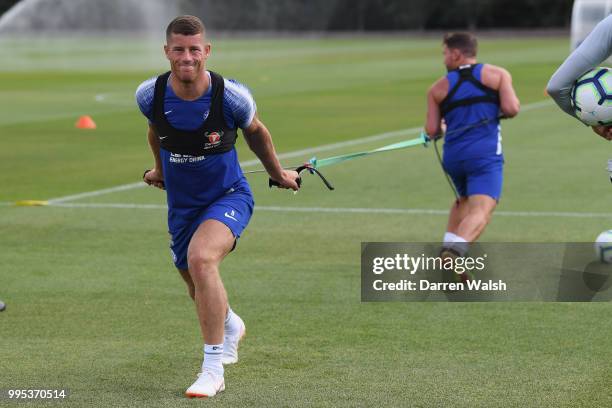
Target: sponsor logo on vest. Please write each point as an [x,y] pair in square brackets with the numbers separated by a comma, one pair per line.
[214,138]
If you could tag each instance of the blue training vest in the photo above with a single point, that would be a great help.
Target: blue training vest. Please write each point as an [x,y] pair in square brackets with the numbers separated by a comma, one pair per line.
[470,102]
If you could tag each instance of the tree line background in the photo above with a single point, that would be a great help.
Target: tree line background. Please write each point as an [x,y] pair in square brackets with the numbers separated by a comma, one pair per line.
[372,15]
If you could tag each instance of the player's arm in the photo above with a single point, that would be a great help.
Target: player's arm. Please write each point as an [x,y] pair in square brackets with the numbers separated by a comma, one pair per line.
[259,139]
[144,99]
[593,50]
[508,101]
[435,95]
[257,136]
[155,176]
[500,79]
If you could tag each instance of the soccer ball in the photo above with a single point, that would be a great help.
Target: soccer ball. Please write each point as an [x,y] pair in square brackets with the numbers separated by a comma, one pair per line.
[603,246]
[592,97]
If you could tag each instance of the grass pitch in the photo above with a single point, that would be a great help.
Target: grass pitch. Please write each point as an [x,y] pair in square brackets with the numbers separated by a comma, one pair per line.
[95,306]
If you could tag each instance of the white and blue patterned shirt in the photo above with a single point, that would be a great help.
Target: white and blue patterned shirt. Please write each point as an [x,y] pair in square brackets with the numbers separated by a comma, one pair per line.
[238,105]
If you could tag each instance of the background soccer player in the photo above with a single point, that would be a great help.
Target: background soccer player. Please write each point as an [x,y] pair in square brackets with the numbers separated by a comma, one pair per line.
[595,48]
[193,119]
[470,94]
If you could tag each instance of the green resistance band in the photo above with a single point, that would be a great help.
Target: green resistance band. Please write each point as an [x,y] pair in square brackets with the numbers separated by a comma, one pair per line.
[421,140]
[314,164]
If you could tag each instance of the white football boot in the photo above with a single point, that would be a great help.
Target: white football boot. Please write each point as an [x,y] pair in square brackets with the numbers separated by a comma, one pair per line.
[230,345]
[207,385]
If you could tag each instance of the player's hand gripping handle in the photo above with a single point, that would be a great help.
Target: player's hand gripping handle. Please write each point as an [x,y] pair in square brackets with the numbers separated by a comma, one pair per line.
[312,170]
[274,183]
[153,178]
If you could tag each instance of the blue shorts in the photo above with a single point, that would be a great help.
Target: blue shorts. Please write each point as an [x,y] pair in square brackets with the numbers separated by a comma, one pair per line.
[233,209]
[477,176]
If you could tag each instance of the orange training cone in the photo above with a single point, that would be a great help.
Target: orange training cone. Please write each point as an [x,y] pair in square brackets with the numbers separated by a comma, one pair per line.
[85,122]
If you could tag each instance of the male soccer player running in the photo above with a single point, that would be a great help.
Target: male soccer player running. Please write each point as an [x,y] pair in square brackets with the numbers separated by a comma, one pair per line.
[470,94]
[593,50]
[193,119]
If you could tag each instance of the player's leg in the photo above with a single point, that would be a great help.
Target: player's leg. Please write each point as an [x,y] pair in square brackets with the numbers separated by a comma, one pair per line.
[476,213]
[190,286]
[211,242]
[484,186]
[180,236]
[458,211]
[480,210]
[450,249]
[234,327]
[225,221]
[459,208]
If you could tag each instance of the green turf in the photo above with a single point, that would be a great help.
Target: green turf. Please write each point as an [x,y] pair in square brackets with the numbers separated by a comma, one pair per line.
[95,306]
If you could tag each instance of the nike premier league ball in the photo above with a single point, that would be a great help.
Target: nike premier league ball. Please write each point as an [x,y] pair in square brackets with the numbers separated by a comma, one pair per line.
[592,97]
[603,246]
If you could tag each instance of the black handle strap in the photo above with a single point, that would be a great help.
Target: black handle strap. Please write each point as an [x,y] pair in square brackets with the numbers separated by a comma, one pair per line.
[312,170]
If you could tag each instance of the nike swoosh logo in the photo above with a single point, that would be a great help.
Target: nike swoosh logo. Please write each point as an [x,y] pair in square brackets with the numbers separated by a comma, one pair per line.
[162,137]
[170,111]
[229,216]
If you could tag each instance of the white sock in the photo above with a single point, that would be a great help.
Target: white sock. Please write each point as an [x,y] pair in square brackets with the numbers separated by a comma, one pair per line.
[212,358]
[232,323]
[460,245]
[449,238]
